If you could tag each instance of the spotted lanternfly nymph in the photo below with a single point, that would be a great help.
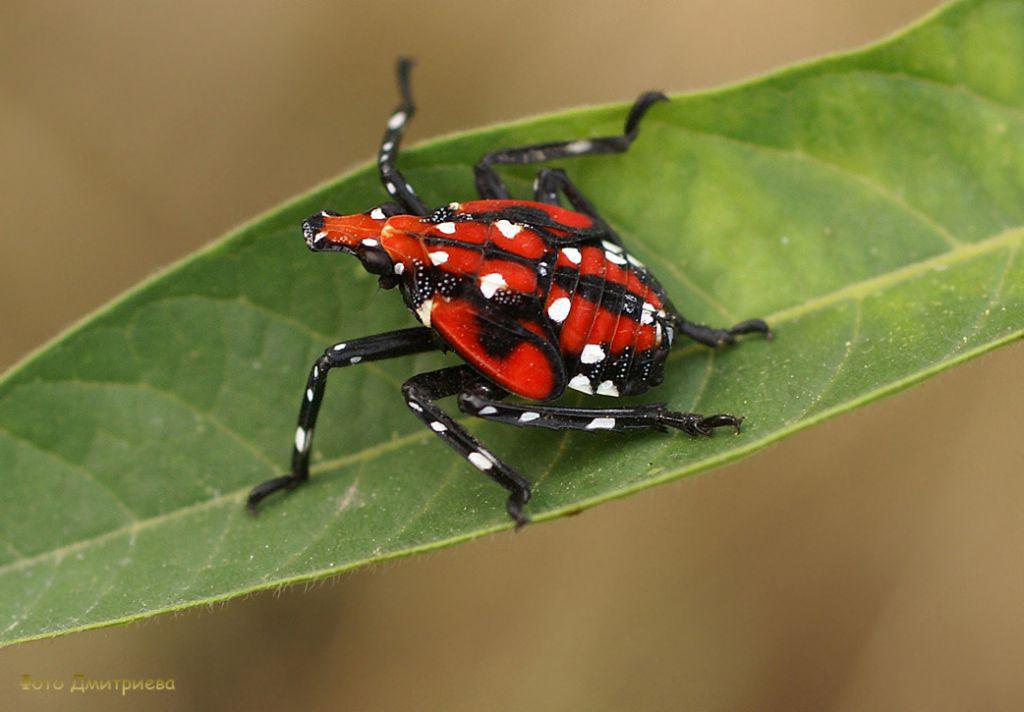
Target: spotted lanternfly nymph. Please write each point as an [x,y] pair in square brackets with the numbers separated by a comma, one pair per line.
[536,298]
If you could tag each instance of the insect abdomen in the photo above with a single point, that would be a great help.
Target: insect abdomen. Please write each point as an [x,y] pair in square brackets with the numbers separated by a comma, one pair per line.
[608,314]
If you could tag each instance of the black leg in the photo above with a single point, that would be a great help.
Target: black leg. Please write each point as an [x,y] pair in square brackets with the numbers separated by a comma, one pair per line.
[710,336]
[481,401]
[421,391]
[346,353]
[394,182]
[552,181]
[490,185]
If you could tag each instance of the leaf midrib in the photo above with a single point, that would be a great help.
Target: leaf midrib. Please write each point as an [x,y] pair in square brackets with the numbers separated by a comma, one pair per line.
[1008,238]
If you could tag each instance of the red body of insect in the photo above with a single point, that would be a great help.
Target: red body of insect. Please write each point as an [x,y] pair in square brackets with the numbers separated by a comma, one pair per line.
[537,298]
[534,297]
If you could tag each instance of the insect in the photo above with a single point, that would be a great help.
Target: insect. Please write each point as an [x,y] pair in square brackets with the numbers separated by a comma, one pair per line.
[536,298]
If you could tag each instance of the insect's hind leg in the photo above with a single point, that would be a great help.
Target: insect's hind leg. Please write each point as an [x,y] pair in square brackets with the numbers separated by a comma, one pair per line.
[421,391]
[370,348]
[489,184]
[481,400]
[710,336]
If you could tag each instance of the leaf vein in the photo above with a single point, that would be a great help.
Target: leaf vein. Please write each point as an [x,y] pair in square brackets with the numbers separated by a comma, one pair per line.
[800,154]
[78,469]
[851,343]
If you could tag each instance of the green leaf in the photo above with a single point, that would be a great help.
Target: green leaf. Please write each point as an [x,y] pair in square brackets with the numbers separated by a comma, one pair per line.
[869,206]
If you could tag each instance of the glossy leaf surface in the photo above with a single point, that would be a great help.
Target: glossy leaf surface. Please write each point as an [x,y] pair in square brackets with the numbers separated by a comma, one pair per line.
[869,206]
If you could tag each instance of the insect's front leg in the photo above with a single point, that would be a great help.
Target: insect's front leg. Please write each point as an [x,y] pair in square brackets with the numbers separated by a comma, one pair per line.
[420,393]
[345,353]
[390,177]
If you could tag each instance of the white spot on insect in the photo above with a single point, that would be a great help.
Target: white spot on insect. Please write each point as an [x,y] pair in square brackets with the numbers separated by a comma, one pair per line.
[592,353]
[377,214]
[438,427]
[611,246]
[399,268]
[579,146]
[607,388]
[528,416]
[487,410]
[559,309]
[324,214]
[455,206]
[415,406]
[439,257]
[340,347]
[302,439]
[647,313]
[319,236]
[581,383]
[491,283]
[408,186]
[448,228]
[355,359]
[390,187]
[601,424]
[482,462]
[508,229]
[388,146]
[316,372]
[423,311]
[573,255]
[309,394]
[614,257]
[635,262]
[396,121]
[370,242]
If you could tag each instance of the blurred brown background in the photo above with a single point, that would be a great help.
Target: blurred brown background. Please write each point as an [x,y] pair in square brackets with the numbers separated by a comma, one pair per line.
[874,562]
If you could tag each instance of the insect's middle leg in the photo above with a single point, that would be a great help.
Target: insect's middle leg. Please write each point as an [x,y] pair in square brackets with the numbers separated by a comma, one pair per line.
[490,185]
[345,353]
[420,393]
[482,401]
[550,182]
